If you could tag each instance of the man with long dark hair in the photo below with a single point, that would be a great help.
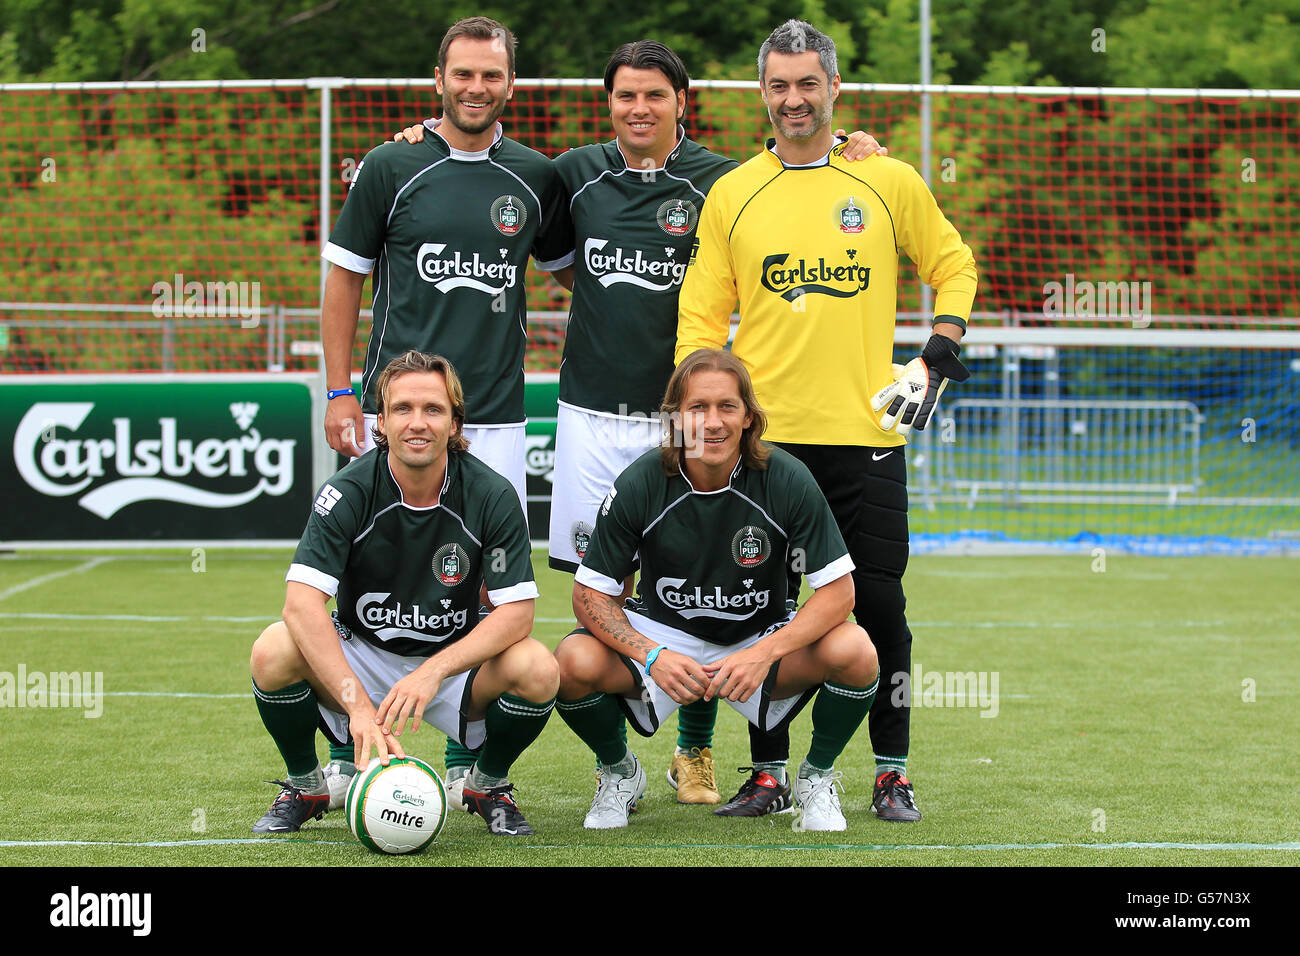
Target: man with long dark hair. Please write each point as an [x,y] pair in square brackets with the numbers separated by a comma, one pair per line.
[724,528]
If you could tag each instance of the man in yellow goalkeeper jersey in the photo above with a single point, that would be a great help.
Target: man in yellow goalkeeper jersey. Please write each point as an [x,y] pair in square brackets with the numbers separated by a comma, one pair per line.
[808,245]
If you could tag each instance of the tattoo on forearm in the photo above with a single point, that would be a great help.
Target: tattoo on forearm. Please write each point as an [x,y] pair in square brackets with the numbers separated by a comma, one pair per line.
[608,617]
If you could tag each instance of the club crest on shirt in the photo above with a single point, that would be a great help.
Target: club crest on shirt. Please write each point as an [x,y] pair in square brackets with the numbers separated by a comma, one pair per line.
[750,547]
[509,215]
[581,535]
[850,217]
[451,564]
[677,217]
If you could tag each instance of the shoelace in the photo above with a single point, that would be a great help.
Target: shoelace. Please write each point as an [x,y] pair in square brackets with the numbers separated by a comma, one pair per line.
[281,804]
[607,791]
[502,792]
[897,790]
[749,786]
[823,791]
[704,768]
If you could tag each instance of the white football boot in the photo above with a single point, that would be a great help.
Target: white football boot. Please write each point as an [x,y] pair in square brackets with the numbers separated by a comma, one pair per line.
[338,777]
[615,796]
[817,802]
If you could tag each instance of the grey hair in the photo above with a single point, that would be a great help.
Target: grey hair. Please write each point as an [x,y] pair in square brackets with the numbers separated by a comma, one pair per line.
[799,36]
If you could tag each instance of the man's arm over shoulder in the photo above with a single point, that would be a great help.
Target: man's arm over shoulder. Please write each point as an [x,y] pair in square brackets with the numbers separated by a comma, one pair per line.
[930,240]
[553,247]
[709,288]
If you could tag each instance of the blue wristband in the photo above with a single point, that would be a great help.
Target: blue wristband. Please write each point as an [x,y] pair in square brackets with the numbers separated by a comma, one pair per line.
[652,656]
[333,393]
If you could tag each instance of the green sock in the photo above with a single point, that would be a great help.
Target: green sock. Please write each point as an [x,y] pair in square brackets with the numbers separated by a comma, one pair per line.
[599,723]
[344,752]
[512,724]
[290,716]
[695,724]
[837,713]
[458,758]
[885,763]
[776,769]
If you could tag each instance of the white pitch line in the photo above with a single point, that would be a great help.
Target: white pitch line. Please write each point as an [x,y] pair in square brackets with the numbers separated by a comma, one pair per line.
[841,847]
[172,843]
[52,576]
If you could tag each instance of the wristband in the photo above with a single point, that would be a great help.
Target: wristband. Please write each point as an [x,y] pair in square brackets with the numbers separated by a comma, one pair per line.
[333,393]
[653,656]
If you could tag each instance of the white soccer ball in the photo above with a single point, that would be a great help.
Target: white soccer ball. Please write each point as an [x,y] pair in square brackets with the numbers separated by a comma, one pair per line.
[397,809]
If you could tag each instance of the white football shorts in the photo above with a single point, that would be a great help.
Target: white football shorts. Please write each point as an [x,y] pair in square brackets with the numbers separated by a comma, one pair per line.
[378,670]
[647,714]
[591,450]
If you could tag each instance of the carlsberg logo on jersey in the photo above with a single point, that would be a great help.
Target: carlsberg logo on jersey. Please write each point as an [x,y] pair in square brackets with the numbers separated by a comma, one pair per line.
[804,277]
[636,268]
[696,602]
[455,271]
[157,459]
[393,621]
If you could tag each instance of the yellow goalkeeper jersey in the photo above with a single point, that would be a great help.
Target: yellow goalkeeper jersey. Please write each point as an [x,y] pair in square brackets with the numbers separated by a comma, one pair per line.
[811,254]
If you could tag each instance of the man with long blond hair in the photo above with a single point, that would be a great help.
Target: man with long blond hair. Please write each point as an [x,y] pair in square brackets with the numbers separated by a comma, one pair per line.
[723,526]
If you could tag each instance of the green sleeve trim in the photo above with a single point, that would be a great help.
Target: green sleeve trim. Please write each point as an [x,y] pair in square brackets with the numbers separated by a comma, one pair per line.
[955,320]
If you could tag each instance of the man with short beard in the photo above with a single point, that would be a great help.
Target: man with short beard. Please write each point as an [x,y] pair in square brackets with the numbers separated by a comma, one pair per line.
[446,228]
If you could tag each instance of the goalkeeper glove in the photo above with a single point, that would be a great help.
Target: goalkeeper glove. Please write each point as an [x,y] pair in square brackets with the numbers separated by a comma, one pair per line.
[912,397]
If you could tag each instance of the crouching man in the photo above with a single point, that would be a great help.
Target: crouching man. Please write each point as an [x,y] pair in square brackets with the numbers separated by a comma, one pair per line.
[404,537]
[724,527]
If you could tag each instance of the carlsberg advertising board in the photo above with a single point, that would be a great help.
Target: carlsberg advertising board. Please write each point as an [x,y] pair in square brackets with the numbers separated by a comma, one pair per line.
[167,458]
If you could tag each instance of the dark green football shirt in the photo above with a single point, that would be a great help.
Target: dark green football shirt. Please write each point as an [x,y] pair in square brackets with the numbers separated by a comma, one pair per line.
[633,231]
[447,235]
[722,565]
[407,579]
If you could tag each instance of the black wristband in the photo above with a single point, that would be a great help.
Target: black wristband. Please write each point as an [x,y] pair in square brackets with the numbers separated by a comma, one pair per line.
[942,354]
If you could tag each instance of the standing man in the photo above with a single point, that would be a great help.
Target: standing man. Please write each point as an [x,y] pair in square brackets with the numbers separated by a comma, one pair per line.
[404,537]
[724,528]
[635,202]
[809,247]
[446,228]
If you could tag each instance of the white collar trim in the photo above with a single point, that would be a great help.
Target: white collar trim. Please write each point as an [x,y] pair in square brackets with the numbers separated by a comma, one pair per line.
[825,160]
[464,155]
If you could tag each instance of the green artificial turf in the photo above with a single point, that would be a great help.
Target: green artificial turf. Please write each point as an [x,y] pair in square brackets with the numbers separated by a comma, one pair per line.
[1120,719]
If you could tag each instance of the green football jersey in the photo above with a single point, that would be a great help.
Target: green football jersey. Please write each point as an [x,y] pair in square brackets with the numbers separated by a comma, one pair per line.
[407,579]
[722,565]
[633,230]
[447,236]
